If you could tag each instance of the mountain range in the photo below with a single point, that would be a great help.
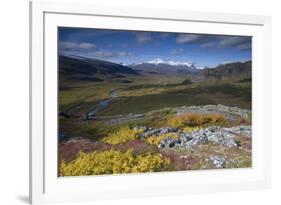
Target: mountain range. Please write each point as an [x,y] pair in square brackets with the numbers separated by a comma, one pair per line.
[80,68]
[161,66]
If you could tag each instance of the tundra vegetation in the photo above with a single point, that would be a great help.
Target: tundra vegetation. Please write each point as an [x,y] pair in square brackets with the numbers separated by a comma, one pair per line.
[153,122]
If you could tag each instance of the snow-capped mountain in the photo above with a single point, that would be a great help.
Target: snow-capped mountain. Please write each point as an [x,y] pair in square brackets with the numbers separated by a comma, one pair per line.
[165,66]
[169,62]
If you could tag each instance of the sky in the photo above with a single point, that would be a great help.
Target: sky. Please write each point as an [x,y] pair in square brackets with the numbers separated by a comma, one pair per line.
[128,47]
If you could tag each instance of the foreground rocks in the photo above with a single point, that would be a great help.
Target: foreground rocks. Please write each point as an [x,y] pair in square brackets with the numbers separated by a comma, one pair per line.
[226,137]
[218,162]
[215,134]
[160,131]
[205,148]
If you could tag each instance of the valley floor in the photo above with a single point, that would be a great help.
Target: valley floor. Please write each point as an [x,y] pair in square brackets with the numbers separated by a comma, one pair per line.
[152,124]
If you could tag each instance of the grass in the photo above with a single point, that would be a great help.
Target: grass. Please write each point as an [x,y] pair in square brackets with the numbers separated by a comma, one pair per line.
[157,139]
[231,94]
[147,103]
[110,133]
[235,157]
[124,134]
[159,92]
[190,129]
[113,162]
[96,129]
[85,93]
[185,121]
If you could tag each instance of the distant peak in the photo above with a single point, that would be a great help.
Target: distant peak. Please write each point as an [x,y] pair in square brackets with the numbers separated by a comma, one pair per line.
[169,62]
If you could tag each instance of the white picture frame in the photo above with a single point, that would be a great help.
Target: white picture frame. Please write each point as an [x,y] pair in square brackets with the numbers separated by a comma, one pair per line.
[46,187]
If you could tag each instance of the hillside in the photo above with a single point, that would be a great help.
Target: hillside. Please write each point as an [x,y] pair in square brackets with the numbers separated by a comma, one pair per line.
[230,70]
[78,68]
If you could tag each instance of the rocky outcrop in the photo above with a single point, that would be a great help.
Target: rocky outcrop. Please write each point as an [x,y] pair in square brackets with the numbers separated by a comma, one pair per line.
[242,129]
[218,162]
[160,131]
[210,109]
[215,134]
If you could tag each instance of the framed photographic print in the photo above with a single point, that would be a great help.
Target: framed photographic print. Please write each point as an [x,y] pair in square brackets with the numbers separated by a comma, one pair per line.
[129,102]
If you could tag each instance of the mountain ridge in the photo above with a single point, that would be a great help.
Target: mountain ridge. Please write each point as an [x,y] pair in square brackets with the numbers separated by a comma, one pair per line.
[79,68]
[229,70]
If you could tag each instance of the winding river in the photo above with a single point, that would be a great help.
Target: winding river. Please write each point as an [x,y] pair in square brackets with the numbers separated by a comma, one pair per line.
[102,104]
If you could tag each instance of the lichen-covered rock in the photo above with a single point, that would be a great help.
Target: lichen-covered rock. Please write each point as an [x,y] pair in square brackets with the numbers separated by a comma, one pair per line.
[169,143]
[185,137]
[242,129]
[144,128]
[215,134]
[166,130]
[149,133]
[218,162]
[160,131]
[202,139]
[222,137]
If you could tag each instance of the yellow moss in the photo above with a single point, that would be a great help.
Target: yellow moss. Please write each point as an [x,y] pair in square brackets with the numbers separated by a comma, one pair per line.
[112,162]
[194,119]
[190,129]
[122,135]
[156,139]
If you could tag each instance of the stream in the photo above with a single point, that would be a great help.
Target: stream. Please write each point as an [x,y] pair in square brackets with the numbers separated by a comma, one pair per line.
[102,104]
